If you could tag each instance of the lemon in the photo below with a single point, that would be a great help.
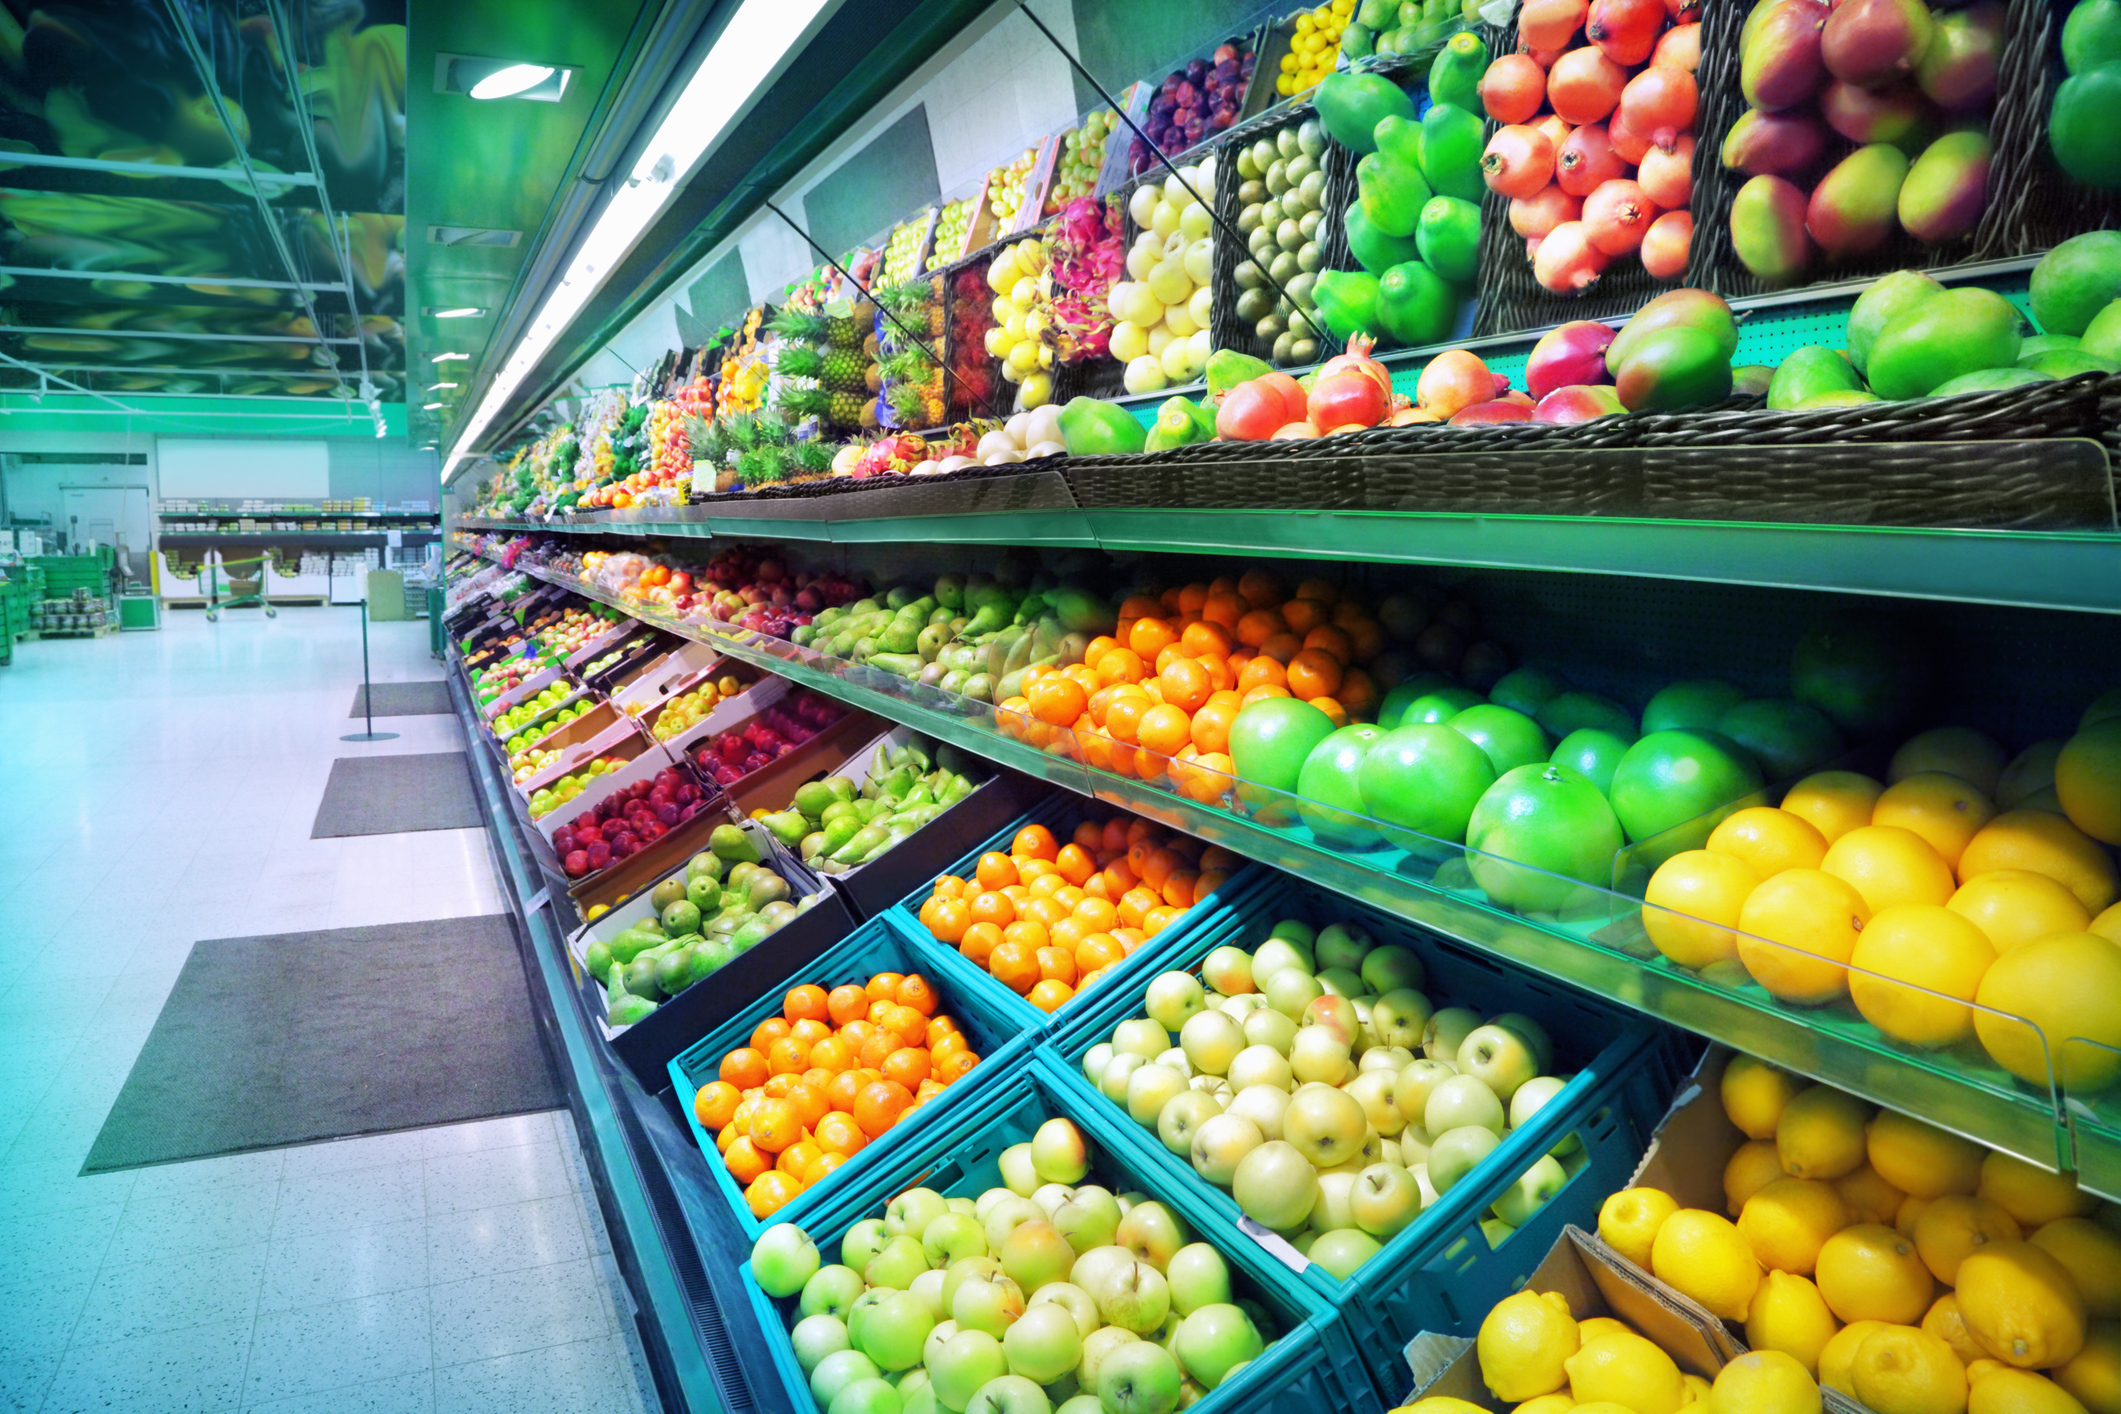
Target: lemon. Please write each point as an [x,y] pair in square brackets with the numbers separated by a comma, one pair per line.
[1692,903]
[1920,1159]
[1956,1225]
[1627,1370]
[1788,1221]
[1754,1093]
[1870,1198]
[1911,1209]
[1702,1255]
[1522,1345]
[1602,1406]
[1791,1316]
[1753,1166]
[1546,1404]
[2021,1305]
[1943,1321]
[1763,1382]
[1839,1355]
[2091,1254]
[1888,865]
[1592,1327]
[1697,1388]
[1821,1134]
[1870,1272]
[2108,924]
[1914,967]
[2019,1392]
[2068,986]
[1944,809]
[1835,802]
[2030,772]
[2093,1375]
[2045,844]
[2015,906]
[1440,1404]
[2031,1194]
[1796,933]
[1900,1370]
[2088,780]
[1768,841]
[1628,1221]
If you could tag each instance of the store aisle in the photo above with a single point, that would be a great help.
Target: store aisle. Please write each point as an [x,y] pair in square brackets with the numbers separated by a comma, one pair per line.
[164,786]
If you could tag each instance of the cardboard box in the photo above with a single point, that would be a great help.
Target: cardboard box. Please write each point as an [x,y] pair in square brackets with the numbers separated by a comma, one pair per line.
[622,740]
[656,682]
[822,755]
[729,714]
[595,731]
[1694,1142]
[601,644]
[645,766]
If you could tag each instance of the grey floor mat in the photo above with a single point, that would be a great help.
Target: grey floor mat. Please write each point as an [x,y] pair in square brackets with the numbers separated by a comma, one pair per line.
[296,1037]
[403,699]
[391,795]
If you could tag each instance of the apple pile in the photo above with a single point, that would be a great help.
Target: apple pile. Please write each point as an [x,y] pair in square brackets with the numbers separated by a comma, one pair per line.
[627,821]
[575,628]
[766,738]
[748,586]
[1292,1080]
[546,799]
[1046,1296]
[504,676]
[686,709]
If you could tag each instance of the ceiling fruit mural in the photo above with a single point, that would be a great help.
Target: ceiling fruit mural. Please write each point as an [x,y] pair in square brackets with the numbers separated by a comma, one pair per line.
[268,259]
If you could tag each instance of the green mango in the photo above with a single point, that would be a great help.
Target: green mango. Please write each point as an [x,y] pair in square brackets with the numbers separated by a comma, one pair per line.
[1451,144]
[1680,365]
[1960,331]
[1808,372]
[1357,42]
[1989,380]
[1885,300]
[1348,300]
[1392,193]
[1377,14]
[1454,77]
[1351,106]
[1374,250]
[1448,237]
[2068,363]
[1416,304]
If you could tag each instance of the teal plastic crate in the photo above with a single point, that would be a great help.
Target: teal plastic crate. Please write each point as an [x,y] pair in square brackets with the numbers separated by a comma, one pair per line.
[1311,1367]
[1440,1274]
[870,949]
[1062,814]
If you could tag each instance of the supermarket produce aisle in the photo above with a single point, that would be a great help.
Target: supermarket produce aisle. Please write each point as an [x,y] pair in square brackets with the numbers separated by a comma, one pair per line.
[165,785]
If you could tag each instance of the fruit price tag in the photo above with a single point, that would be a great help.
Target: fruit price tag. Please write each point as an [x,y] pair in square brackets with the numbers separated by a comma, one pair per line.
[1275,1244]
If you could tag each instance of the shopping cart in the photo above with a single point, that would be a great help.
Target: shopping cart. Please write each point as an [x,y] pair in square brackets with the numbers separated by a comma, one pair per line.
[245,589]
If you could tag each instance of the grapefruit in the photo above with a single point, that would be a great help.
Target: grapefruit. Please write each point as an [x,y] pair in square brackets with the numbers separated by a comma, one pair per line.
[1696,703]
[2046,844]
[1510,738]
[1551,818]
[1595,753]
[1960,751]
[1424,777]
[1671,777]
[1567,712]
[2088,780]
[1438,706]
[1692,903]
[2069,987]
[1865,673]
[1332,802]
[1525,690]
[1395,702]
[1271,739]
[1787,738]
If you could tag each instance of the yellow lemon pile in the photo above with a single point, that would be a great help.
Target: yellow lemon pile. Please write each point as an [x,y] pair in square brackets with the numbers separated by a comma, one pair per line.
[1902,1265]
[1962,878]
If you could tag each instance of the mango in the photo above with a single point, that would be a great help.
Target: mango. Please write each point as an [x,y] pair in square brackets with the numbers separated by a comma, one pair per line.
[1096,428]
[2081,126]
[2076,280]
[1415,305]
[1898,115]
[2091,36]
[1752,379]
[1455,76]
[1451,143]
[1947,189]
[1808,372]
[1448,237]
[1958,70]
[1852,210]
[1392,193]
[1374,250]
[1696,308]
[2103,335]
[1767,230]
[2034,345]
[1957,332]
[1839,398]
[1781,64]
[1674,367]
[1874,42]
[1351,105]
[1885,301]
[1989,380]
[1763,144]
[2068,363]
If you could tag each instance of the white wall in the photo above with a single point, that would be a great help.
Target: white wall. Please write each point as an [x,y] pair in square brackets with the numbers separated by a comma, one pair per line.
[33,491]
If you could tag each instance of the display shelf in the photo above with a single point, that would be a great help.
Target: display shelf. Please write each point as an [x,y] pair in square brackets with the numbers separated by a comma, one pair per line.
[292,539]
[2014,1119]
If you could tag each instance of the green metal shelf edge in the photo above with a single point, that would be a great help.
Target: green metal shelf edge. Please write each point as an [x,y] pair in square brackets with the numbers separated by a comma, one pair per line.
[2028,1129]
[2016,569]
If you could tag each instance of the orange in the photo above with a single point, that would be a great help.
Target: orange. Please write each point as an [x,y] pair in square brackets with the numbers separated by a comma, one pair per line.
[1099,646]
[1116,836]
[1165,656]
[772,1191]
[1046,886]
[1056,699]
[954,1066]
[1216,857]
[788,1056]
[1331,639]
[1767,841]
[910,1026]
[1030,871]
[1335,713]
[1185,684]
[1056,962]
[1027,932]
[842,1089]
[1123,717]
[1067,933]
[980,940]
[1889,865]
[1222,676]
[715,1103]
[1035,842]
[880,1105]
[1075,864]
[1191,597]
[1834,801]
[1045,911]
[1358,693]
[805,1003]
[817,1077]
[767,1032]
[1165,729]
[1096,914]
[1223,609]
[918,993]
[992,908]
[1150,861]
[1301,616]
[1136,606]
[1014,966]
[1084,676]
[810,1032]
[1179,887]
[1050,994]
[1206,637]
[1282,647]
[778,1086]
[1257,627]
[1118,879]
[1097,951]
[883,987]
[908,1065]
[1157,919]
[744,1068]
[1942,808]
[1149,765]
[804,1161]
[1367,635]
[1260,589]
[1314,673]
[831,1055]
[1210,880]
[1121,665]
[1264,690]
[1088,836]
[1320,588]
[995,869]
[876,1047]
[1135,905]
[744,1161]
[774,1126]
[830,1164]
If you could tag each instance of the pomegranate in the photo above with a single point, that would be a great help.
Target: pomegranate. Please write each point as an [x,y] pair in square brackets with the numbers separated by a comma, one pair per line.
[1625,31]
[1616,216]
[1550,24]
[1348,398]
[1572,354]
[1456,379]
[1584,86]
[1679,49]
[1543,57]
[1356,360]
[1660,104]
[1498,410]
[1250,412]
[1519,161]
[1665,245]
[1540,214]
[1556,130]
[1587,161]
[1631,143]
[1667,178]
[1567,263]
[1513,89]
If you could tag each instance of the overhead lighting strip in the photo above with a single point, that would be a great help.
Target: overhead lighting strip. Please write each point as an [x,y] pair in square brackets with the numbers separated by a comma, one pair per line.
[747,56]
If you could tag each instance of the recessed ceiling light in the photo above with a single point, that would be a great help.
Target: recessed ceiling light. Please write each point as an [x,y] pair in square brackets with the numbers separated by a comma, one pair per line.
[429,407]
[508,82]
[445,357]
[469,311]
[438,387]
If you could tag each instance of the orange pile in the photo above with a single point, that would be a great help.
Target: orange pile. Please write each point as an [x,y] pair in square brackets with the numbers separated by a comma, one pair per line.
[833,1071]
[1048,920]
[1156,698]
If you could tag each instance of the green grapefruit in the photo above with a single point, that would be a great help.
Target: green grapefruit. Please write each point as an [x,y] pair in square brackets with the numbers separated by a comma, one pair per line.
[1424,777]
[1864,673]
[1669,778]
[1567,712]
[1593,752]
[1695,703]
[1271,738]
[1332,800]
[1510,738]
[1395,702]
[1524,690]
[1551,818]
[1789,739]
[1439,706]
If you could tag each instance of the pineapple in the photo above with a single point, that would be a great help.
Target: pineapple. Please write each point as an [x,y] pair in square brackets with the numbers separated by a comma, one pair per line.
[809,459]
[794,326]
[800,361]
[909,404]
[844,332]
[843,371]
[798,404]
[762,465]
[847,408]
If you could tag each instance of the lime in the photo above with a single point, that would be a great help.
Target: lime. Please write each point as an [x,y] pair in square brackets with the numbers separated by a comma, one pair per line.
[1595,753]
[1696,703]
[1669,778]
[1510,738]
[1332,798]
[1271,738]
[1788,738]
[1567,712]
[1525,690]
[1425,777]
[1552,818]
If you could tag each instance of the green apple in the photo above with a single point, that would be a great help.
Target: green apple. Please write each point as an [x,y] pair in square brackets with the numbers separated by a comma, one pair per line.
[966,1269]
[1035,1254]
[1416,1081]
[1343,1250]
[1043,1344]
[1151,1232]
[1173,998]
[1211,1040]
[951,1236]
[1097,1345]
[1087,1220]
[1498,1057]
[1275,1184]
[987,1302]
[897,1263]
[1399,1017]
[1461,1101]
[1112,1082]
[1343,945]
[1386,1199]
[837,1371]
[911,1212]
[1141,1036]
[1261,1065]
[1281,952]
[895,1329]
[1148,1088]
[1320,1054]
[1139,1377]
[815,1337]
[1265,1026]
[832,1291]
[1058,1152]
[1091,1269]
[1181,1118]
[1265,1105]
[783,1259]
[1071,1298]
[1457,1152]
[965,1362]
[1005,1217]
[1532,1191]
[1446,1031]
[1229,971]
[1373,1091]
[1214,1339]
[1221,1144]
[1290,991]
[1018,1171]
[874,1395]
[1198,1277]
[1133,1296]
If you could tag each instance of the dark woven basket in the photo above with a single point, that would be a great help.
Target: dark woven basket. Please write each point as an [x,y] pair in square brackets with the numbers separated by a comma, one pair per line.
[2047,206]
[1511,299]
[1225,329]
[1715,265]
[2071,407]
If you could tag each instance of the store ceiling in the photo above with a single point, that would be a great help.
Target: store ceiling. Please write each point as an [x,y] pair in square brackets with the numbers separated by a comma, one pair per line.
[232,283]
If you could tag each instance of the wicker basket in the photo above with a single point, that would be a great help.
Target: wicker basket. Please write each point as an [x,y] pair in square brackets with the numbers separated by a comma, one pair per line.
[1225,329]
[1715,265]
[2071,407]
[2046,206]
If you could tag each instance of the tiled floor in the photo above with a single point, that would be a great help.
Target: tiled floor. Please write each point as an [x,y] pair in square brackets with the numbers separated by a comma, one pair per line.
[163,786]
